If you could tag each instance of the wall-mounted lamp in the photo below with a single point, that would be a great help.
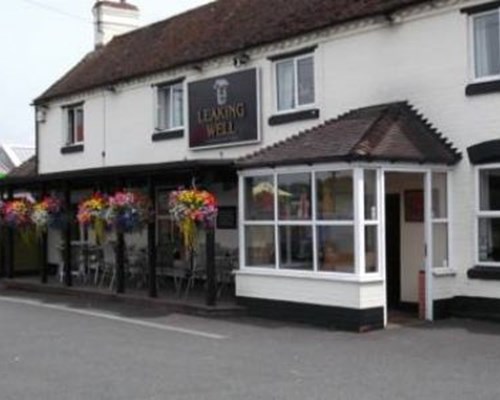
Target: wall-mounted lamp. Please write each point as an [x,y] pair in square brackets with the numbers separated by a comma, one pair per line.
[198,68]
[241,59]
[41,114]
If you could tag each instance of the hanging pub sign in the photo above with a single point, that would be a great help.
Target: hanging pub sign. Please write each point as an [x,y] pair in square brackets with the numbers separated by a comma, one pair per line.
[223,110]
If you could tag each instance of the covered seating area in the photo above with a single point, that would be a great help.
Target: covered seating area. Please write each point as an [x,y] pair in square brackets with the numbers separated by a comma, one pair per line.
[150,262]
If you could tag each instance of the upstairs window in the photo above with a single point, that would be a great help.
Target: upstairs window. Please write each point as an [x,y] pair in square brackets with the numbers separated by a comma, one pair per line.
[170,107]
[295,82]
[74,125]
[485,31]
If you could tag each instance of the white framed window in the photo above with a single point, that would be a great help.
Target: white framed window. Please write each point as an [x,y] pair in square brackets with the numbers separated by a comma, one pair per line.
[440,220]
[484,39]
[371,221]
[170,107]
[74,125]
[488,216]
[295,83]
[312,220]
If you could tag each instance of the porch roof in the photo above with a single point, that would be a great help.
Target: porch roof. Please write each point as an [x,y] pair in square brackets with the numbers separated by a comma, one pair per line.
[26,174]
[393,132]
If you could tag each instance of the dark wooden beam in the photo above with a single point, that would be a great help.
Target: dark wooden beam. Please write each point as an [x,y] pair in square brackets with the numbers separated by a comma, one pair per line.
[118,184]
[67,236]
[3,233]
[152,284]
[43,251]
[211,293]
[120,262]
[9,251]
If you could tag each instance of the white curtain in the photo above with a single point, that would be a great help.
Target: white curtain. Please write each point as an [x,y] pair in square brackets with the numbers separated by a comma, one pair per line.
[286,85]
[305,76]
[177,104]
[487,45]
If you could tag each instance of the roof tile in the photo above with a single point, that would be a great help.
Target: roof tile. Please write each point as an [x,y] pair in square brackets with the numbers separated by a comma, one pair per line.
[215,29]
[388,132]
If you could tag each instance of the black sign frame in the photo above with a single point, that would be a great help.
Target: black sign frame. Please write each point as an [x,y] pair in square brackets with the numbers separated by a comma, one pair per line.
[242,109]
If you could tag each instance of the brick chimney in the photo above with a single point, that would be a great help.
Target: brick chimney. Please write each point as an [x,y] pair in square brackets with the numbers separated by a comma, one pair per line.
[113,18]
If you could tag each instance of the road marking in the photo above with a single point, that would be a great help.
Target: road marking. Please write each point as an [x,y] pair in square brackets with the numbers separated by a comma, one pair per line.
[116,318]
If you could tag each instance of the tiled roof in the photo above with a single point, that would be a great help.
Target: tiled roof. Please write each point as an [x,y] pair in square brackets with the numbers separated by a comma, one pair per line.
[392,132]
[26,170]
[218,28]
[22,153]
[4,169]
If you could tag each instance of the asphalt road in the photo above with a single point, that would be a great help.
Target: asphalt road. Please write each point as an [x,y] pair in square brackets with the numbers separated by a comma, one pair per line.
[56,348]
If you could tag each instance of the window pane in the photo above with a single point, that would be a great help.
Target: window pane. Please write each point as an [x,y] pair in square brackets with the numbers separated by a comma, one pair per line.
[70,138]
[259,198]
[370,194]
[294,196]
[489,187]
[334,195]
[486,45]
[164,108]
[439,195]
[489,239]
[259,246]
[79,125]
[170,244]
[296,247]
[336,248]
[305,75]
[286,85]
[177,106]
[371,246]
[440,245]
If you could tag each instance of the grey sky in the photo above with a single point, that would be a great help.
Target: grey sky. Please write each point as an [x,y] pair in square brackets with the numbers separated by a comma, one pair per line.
[39,41]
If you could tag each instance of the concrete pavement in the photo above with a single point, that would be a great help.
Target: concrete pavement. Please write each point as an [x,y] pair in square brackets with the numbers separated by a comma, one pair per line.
[62,348]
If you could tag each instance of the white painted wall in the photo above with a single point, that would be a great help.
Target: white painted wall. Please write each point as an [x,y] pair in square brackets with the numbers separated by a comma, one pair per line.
[326,292]
[422,60]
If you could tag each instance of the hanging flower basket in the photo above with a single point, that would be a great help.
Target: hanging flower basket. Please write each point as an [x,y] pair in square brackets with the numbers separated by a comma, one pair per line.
[128,211]
[92,213]
[17,213]
[192,209]
[47,213]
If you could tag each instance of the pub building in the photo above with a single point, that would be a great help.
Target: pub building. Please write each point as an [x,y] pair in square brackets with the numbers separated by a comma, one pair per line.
[352,147]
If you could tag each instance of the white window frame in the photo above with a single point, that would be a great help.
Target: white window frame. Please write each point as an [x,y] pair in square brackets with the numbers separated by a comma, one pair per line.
[295,60]
[72,141]
[482,214]
[159,110]
[358,223]
[472,58]
[442,220]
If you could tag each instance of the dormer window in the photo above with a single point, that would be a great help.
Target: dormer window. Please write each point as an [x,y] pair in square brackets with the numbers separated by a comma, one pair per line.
[170,107]
[74,125]
[485,40]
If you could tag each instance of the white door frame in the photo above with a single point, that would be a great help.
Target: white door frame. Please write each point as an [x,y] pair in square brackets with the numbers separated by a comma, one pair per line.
[426,173]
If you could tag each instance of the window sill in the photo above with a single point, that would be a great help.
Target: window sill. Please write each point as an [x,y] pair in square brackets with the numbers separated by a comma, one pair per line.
[72,148]
[478,88]
[484,273]
[321,276]
[303,115]
[444,272]
[167,135]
